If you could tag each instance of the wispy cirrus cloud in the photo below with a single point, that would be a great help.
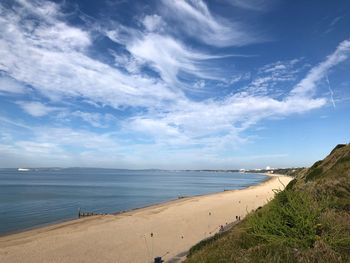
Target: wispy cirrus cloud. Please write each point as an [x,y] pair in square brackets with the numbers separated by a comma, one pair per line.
[253,5]
[217,125]
[144,79]
[196,20]
[62,66]
[170,57]
[196,124]
[333,23]
[63,114]
[274,79]
[164,53]
[95,119]
[159,47]
[307,85]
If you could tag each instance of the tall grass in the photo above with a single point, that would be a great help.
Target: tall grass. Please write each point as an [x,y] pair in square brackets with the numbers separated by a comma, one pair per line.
[292,219]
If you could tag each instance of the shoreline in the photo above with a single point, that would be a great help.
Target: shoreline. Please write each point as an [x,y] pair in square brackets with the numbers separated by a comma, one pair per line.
[138,235]
[67,220]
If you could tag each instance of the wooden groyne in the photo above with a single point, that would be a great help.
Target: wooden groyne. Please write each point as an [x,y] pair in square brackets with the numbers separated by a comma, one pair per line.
[85,214]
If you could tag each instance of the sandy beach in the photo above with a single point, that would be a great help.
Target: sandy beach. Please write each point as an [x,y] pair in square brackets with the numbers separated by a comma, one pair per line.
[168,230]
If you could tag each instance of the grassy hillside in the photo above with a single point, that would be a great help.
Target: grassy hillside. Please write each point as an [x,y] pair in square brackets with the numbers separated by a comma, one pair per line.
[307,222]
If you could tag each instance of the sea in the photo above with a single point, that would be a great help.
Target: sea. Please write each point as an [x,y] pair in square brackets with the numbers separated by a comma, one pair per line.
[38,197]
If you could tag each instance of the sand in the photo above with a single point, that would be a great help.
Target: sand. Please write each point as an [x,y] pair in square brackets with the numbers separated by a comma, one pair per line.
[167,230]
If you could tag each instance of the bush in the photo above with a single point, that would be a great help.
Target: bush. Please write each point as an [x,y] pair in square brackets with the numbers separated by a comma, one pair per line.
[292,218]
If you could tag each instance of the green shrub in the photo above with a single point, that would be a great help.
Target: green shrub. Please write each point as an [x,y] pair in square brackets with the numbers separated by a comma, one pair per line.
[291,218]
[314,173]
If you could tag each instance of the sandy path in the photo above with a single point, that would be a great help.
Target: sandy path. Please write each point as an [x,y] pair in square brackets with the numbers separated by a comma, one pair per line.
[176,226]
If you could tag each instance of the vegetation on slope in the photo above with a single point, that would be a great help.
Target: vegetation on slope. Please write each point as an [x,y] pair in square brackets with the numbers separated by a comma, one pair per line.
[307,222]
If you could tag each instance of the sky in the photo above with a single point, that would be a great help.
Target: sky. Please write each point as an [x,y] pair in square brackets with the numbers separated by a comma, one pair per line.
[225,84]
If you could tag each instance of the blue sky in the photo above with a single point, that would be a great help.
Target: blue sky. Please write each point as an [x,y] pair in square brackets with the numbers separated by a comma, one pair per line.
[173,84]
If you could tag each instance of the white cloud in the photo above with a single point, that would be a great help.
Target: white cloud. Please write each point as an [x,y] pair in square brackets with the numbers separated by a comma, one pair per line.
[47,146]
[165,54]
[36,109]
[200,84]
[153,23]
[53,60]
[270,77]
[67,137]
[334,23]
[168,57]
[39,147]
[10,85]
[195,19]
[97,120]
[62,37]
[216,125]
[131,64]
[160,131]
[253,5]
[308,85]
[160,47]
[52,56]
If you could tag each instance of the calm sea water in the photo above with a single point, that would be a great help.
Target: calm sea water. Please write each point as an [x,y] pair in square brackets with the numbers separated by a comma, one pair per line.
[37,197]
